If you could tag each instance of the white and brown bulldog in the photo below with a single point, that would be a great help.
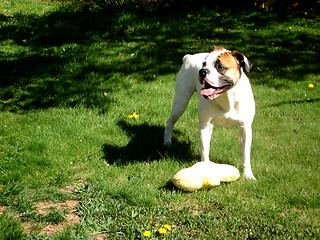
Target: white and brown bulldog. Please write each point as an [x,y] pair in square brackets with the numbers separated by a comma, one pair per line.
[225,98]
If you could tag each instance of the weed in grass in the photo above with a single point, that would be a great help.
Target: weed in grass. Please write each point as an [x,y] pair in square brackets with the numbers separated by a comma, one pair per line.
[23,205]
[10,228]
[55,216]
[9,191]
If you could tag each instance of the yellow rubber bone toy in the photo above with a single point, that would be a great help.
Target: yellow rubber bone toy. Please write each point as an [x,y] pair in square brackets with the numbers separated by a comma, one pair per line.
[204,175]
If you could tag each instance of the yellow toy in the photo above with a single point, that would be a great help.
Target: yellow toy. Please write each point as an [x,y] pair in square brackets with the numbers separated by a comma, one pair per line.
[204,175]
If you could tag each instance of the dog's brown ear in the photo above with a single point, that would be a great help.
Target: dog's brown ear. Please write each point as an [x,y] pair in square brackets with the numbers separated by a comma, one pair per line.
[217,48]
[243,61]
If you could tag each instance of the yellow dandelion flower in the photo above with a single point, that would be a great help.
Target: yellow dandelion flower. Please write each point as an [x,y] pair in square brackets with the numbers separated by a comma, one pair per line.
[147,233]
[134,115]
[157,225]
[167,226]
[311,85]
[290,28]
[162,231]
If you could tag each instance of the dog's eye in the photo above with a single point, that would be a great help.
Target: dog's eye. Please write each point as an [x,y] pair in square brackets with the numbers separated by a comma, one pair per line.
[219,67]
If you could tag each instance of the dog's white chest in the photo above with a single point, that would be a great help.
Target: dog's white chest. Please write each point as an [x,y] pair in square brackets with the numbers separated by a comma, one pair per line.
[223,111]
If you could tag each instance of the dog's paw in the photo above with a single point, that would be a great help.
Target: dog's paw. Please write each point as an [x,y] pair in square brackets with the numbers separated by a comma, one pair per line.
[249,175]
[167,142]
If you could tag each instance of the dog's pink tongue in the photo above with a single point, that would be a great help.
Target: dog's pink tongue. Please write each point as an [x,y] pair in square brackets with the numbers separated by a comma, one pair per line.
[207,91]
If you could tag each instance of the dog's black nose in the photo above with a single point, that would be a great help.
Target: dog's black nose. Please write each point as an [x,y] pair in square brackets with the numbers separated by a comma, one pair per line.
[203,72]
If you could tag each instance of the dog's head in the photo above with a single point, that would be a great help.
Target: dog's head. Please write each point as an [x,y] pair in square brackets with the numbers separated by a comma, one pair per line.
[221,70]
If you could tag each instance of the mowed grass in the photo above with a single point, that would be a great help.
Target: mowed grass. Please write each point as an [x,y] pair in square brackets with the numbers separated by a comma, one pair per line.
[71,77]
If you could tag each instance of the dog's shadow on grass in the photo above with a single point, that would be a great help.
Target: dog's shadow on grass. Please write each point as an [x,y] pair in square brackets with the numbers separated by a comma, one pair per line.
[146,144]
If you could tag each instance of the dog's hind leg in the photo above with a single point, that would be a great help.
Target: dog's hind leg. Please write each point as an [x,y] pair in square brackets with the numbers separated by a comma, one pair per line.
[184,90]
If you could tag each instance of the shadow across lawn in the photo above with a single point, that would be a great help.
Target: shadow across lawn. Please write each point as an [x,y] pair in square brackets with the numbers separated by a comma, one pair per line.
[66,57]
[146,144]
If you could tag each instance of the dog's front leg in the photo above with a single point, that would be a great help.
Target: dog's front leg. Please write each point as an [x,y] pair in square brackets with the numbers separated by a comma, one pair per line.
[245,141]
[205,132]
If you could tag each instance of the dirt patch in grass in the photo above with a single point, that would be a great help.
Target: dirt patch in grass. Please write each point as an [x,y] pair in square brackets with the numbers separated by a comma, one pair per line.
[71,218]
[2,209]
[68,207]
[99,236]
[65,210]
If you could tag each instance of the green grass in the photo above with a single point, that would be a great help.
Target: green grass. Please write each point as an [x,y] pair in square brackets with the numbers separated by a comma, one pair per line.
[70,78]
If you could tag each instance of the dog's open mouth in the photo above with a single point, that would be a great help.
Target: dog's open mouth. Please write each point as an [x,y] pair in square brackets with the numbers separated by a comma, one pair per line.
[211,92]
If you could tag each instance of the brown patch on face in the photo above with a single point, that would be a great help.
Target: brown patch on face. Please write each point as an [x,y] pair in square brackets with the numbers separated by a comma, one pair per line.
[228,66]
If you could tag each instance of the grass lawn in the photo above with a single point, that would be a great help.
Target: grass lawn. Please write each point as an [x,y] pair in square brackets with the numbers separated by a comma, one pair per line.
[73,165]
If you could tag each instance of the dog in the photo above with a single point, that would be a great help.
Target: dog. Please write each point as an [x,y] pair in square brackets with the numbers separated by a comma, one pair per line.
[225,98]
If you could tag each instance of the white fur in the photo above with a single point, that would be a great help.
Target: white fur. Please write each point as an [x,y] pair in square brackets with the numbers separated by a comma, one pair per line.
[234,107]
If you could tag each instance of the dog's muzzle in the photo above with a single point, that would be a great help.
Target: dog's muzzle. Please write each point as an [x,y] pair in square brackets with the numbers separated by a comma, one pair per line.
[202,74]
[208,91]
